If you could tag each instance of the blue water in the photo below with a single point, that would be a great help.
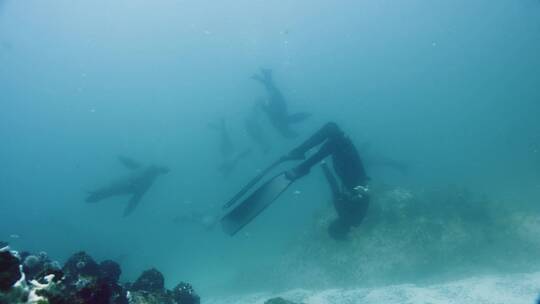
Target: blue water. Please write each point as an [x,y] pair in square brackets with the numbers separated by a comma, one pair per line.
[449,87]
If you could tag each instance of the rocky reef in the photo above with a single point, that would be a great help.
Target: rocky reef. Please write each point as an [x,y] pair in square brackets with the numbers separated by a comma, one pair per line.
[10,270]
[36,279]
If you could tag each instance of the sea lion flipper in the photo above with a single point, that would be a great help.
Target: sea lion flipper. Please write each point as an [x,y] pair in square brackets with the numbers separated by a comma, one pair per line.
[93,196]
[298,117]
[133,203]
[257,78]
[129,163]
[267,73]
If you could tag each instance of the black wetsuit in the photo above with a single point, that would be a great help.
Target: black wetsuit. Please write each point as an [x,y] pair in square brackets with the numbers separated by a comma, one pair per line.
[350,206]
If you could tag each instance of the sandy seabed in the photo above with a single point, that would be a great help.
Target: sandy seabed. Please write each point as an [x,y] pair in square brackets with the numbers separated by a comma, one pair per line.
[508,289]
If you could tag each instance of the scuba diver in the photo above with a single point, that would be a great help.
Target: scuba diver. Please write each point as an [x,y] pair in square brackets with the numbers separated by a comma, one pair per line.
[275,107]
[136,185]
[351,207]
[350,196]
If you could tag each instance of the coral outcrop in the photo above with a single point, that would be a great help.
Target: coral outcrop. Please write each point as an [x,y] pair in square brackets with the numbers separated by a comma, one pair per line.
[35,279]
[184,293]
[149,288]
[150,281]
[9,270]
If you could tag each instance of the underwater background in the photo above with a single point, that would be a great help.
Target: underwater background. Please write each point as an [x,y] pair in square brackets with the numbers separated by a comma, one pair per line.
[449,88]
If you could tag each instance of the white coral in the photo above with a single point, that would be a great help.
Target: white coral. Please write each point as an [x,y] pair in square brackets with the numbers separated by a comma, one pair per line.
[22,292]
[36,286]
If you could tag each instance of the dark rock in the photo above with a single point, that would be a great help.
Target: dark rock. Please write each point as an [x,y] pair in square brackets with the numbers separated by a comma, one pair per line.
[96,292]
[48,270]
[80,264]
[184,293]
[128,285]
[109,271]
[143,297]
[9,270]
[278,300]
[119,295]
[85,292]
[3,244]
[33,265]
[150,280]
[80,281]
[93,292]
[23,255]
[31,261]
[57,295]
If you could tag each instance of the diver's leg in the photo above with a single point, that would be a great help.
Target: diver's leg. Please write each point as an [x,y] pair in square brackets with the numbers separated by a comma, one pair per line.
[329,130]
[348,164]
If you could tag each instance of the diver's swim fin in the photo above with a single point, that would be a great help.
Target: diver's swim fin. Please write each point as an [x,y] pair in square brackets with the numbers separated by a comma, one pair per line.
[252,183]
[248,209]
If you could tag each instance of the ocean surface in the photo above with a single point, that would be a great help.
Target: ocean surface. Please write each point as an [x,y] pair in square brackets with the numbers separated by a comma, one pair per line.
[441,98]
